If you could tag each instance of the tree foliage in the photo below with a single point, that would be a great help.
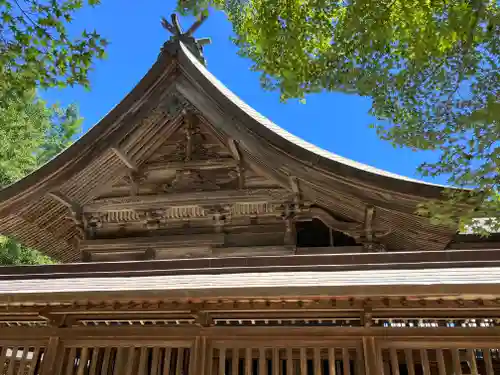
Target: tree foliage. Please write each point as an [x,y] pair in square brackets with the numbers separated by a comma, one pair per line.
[431,68]
[30,135]
[36,49]
[13,253]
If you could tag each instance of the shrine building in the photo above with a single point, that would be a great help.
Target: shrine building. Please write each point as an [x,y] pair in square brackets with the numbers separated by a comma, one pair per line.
[196,237]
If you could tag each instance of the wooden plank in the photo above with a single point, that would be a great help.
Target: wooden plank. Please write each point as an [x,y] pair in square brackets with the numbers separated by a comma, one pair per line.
[472,361]
[12,361]
[105,361]
[262,361]
[167,359]
[3,355]
[248,361]
[180,361]
[303,361]
[457,367]
[440,361]
[331,362]
[372,358]
[317,361]
[34,360]
[194,357]
[93,361]
[346,361]
[394,361]
[360,361]
[129,361]
[24,360]
[222,361]
[386,367]
[214,364]
[276,362]
[82,363]
[70,365]
[289,361]
[424,357]
[143,361]
[120,361]
[53,357]
[487,362]
[155,361]
[235,361]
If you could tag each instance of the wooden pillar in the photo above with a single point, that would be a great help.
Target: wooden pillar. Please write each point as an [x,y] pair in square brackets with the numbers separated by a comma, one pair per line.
[198,358]
[373,361]
[52,357]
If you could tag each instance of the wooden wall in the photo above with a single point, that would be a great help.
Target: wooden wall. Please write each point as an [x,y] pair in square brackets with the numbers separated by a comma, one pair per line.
[148,350]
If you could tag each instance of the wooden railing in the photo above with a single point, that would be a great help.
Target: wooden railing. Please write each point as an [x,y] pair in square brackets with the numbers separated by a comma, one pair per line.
[249,351]
[21,360]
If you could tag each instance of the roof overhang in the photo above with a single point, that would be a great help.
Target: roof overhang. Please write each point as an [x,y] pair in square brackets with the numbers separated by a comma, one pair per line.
[452,274]
[339,184]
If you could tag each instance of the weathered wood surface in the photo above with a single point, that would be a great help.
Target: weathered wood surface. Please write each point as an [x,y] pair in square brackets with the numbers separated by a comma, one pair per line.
[249,351]
[181,154]
[232,262]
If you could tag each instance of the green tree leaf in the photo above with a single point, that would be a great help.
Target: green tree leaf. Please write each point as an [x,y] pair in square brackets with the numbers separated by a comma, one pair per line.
[30,135]
[431,69]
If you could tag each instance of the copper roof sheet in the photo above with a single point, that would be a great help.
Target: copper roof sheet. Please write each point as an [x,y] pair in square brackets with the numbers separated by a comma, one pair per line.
[444,276]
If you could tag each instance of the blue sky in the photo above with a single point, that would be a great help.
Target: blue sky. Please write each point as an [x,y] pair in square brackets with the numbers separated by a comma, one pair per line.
[335,122]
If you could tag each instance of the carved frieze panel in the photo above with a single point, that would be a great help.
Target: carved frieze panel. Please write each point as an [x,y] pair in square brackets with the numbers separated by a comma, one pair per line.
[190,180]
[192,141]
[183,212]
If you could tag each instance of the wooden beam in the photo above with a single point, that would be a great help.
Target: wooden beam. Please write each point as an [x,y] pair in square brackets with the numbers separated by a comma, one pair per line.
[196,25]
[176,24]
[74,209]
[233,147]
[124,158]
[204,198]
[204,165]
[65,201]
[368,225]
[294,183]
[52,357]
[262,308]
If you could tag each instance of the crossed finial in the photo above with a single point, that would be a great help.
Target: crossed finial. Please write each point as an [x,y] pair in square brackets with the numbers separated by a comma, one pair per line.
[174,27]
[194,45]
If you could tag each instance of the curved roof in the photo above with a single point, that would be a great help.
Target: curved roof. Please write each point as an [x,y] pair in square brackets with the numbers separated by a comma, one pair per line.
[296,141]
[79,168]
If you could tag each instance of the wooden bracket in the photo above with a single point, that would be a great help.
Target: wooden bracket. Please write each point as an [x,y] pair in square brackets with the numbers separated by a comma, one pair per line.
[294,183]
[203,319]
[367,317]
[65,201]
[75,210]
[368,225]
[235,151]
[124,158]
[371,234]
[53,320]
